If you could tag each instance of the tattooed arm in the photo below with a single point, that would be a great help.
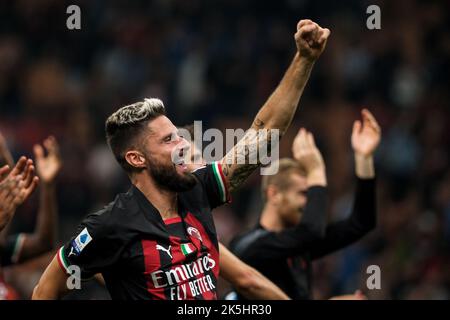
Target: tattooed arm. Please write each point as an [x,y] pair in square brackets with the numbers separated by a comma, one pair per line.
[278,111]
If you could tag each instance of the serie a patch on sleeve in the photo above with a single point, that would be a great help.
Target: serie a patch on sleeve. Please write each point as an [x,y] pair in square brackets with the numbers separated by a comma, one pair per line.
[80,242]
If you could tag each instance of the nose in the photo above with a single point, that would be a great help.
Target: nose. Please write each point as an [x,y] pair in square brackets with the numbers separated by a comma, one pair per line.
[180,152]
[183,144]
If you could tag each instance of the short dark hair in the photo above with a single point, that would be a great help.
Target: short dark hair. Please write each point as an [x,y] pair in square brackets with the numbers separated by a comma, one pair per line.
[286,167]
[124,126]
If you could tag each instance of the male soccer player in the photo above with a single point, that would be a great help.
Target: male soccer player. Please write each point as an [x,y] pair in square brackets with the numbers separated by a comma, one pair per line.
[158,241]
[21,247]
[292,229]
[248,281]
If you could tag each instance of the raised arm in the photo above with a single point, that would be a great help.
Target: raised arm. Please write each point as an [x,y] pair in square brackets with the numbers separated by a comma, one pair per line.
[48,167]
[366,136]
[247,280]
[279,109]
[295,240]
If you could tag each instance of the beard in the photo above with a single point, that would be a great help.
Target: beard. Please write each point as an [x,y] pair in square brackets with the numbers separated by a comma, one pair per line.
[167,177]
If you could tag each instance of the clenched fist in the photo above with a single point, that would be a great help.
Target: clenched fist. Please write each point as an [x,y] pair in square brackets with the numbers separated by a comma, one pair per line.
[310,39]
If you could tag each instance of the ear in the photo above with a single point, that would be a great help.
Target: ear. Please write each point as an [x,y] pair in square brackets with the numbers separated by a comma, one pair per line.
[273,195]
[135,159]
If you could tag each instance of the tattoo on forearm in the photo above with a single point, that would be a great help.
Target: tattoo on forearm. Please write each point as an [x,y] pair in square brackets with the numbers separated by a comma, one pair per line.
[246,155]
[258,124]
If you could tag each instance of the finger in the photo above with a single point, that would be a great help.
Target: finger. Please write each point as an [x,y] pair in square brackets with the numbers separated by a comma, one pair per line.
[29,190]
[356,128]
[4,172]
[30,176]
[48,144]
[303,23]
[306,30]
[26,171]
[304,142]
[325,33]
[311,141]
[34,184]
[20,166]
[38,151]
[368,116]
[53,146]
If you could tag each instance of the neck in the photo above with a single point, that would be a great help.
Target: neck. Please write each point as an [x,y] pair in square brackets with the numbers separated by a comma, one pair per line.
[163,200]
[270,220]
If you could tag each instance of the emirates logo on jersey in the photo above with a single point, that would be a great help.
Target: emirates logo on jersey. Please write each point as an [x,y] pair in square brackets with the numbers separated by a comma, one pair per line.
[194,233]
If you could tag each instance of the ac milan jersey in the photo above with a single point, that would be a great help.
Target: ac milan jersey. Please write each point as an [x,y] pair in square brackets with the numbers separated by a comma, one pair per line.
[143,257]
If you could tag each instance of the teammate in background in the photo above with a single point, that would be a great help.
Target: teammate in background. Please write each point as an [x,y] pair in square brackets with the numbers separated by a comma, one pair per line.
[158,241]
[16,185]
[292,230]
[21,247]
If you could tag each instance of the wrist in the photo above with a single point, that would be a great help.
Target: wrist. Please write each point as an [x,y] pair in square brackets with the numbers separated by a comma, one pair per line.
[304,61]
[48,183]
[364,166]
[316,177]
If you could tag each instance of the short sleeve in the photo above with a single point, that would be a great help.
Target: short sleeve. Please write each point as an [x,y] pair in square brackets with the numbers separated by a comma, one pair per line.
[214,184]
[93,249]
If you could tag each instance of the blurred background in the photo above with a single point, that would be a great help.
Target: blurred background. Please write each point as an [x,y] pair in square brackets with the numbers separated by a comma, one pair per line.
[218,61]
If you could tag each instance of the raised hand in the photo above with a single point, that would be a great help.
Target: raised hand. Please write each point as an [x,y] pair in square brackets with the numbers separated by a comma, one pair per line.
[48,166]
[366,135]
[15,187]
[305,151]
[311,39]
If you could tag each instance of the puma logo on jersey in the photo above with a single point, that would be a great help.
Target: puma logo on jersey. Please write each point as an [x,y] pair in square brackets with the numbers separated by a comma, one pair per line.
[161,248]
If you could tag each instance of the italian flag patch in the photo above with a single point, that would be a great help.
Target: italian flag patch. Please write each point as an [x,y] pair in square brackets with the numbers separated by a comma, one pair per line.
[187,248]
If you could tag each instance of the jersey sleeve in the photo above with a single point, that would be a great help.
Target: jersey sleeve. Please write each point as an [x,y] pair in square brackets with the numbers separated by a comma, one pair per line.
[94,248]
[11,249]
[214,184]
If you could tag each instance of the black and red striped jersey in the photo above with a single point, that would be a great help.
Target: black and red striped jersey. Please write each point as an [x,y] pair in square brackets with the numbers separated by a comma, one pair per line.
[142,256]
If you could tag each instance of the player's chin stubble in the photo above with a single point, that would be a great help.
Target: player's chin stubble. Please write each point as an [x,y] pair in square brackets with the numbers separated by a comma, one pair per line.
[167,177]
